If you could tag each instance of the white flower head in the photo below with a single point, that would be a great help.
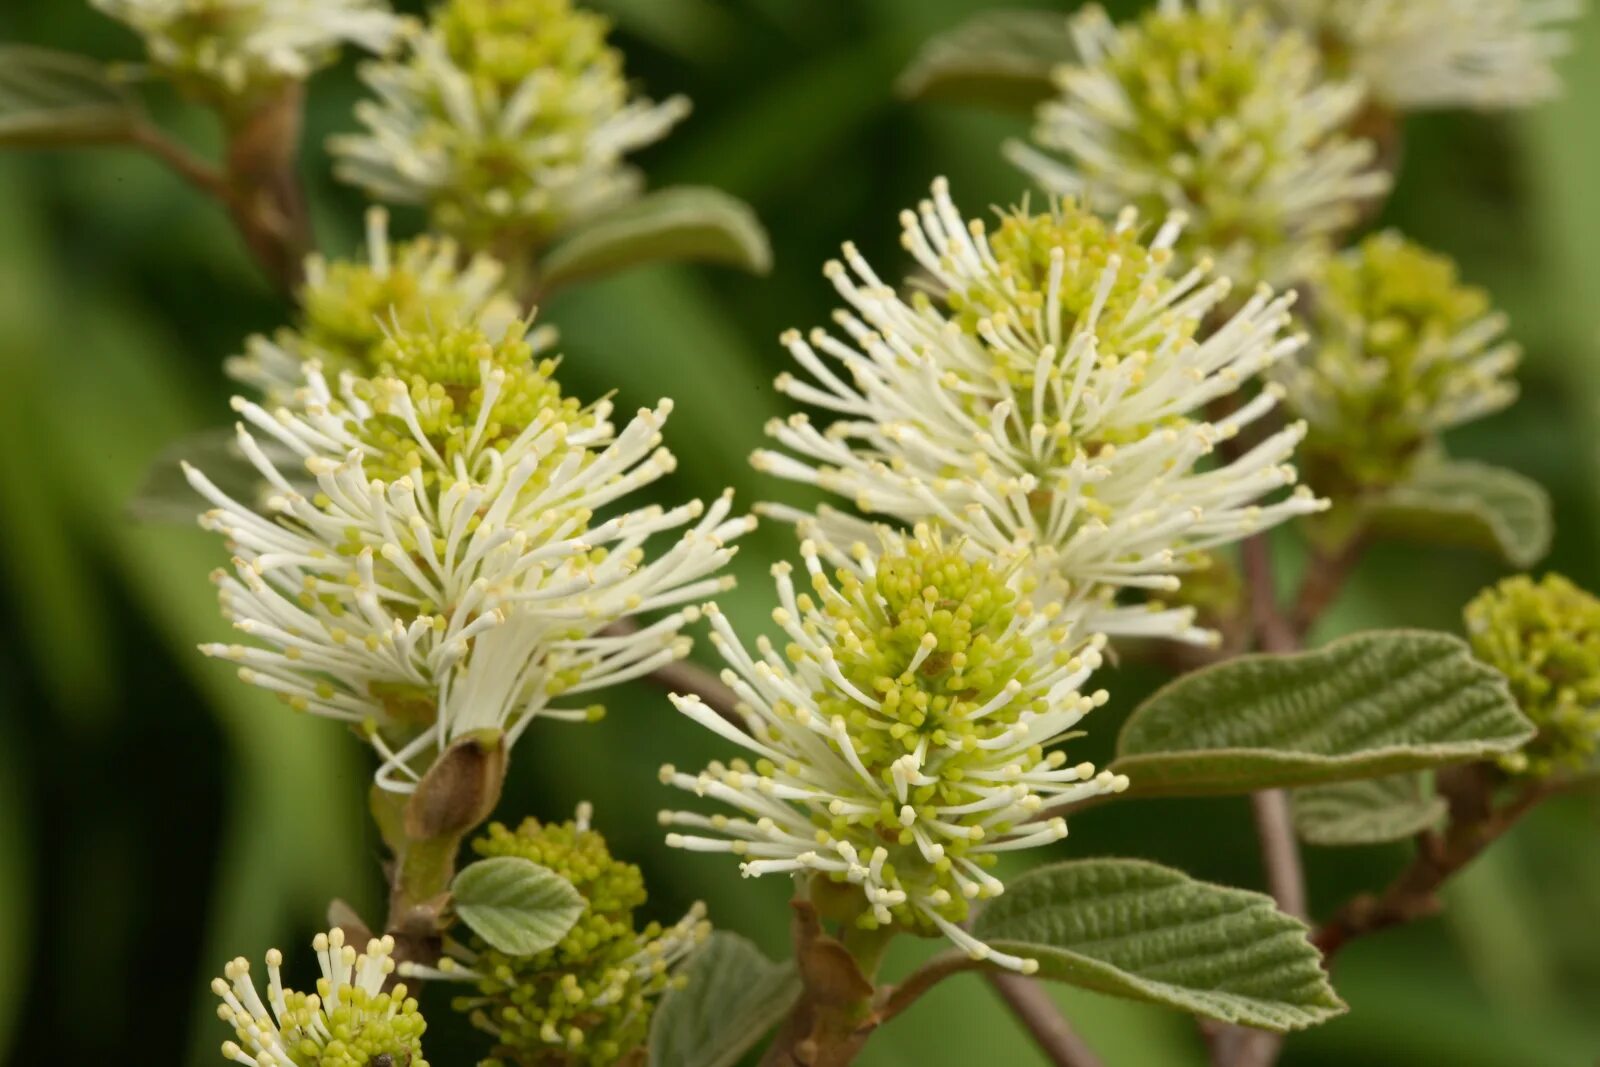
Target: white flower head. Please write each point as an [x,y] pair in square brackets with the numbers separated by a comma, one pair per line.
[348,1022]
[239,46]
[1205,107]
[909,732]
[509,119]
[1047,392]
[349,309]
[1403,350]
[1419,54]
[457,555]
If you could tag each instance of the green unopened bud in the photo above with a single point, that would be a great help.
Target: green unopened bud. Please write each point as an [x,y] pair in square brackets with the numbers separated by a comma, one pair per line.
[588,999]
[1545,638]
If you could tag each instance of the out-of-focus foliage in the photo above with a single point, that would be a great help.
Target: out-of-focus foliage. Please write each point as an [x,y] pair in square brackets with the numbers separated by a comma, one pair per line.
[157,817]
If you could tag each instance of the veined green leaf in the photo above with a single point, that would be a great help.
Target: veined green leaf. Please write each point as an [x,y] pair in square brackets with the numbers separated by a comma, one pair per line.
[1137,929]
[733,995]
[1456,502]
[1369,811]
[1377,703]
[1000,58]
[57,98]
[685,223]
[516,905]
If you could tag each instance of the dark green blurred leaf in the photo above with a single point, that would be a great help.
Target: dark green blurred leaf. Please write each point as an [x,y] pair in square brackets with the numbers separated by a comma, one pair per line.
[57,98]
[999,58]
[686,223]
[516,905]
[1140,930]
[1456,502]
[733,996]
[1373,704]
[1367,812]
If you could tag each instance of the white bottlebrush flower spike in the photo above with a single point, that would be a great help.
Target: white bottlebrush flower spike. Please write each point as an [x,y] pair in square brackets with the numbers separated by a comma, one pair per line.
[348,1022]
[1047,392]
[509,119]
[1208,109]
[908,733]
[445,571]
[243,45]
[348,309]
[1444,53]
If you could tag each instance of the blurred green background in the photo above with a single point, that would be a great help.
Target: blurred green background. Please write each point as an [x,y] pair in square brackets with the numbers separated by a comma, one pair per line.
[158,817]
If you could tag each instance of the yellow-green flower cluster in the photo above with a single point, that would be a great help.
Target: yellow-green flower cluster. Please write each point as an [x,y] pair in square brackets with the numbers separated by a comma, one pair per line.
[1401,351]
[508,119]
[350,308]
[1544,637]
[906,735]
[1209,109]
[350,1021]
[230,51]
[589,999]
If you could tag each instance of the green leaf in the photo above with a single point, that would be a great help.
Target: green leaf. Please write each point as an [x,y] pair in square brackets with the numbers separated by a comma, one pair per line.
[165,495]
[685,223]
[516,905]
[1376,703]
[57,98]
[1000,58]
[1455,502]
[733,996]
[1369,811]
[1137,929]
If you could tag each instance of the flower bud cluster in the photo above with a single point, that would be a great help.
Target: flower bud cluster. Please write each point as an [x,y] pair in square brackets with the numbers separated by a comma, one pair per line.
[1544,637]
[590,998]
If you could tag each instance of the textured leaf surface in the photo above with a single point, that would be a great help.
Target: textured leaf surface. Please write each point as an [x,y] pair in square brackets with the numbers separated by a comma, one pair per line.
[1367,812]
[516,905]
[1471,504]
[1141,930]
[56,98]
[1373,704]
[686,223]
[733,996]
[1001,58]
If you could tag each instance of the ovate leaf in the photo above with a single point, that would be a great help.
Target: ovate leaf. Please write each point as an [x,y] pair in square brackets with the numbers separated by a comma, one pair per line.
[1000,58]
[1373,704]
[733,995]
[1476,505]
[57,98]
[1137,929]
[516,905]
[165,495]
[686,223]
[1367,812]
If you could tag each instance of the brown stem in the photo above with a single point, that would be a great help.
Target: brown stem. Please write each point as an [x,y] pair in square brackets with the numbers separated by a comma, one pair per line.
[1033,1007]
[1323,581]
[264,193]
[892,1000]
[687,678]
[1474,825]
[201,174]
